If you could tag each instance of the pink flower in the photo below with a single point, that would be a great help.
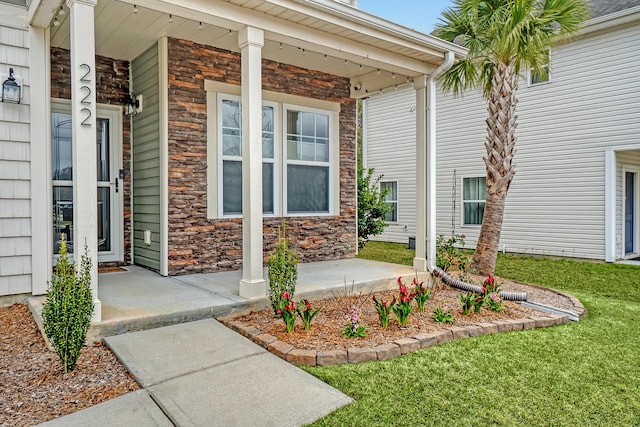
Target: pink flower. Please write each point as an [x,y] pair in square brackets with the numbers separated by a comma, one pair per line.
[286,295]
[495,297]
[279,311]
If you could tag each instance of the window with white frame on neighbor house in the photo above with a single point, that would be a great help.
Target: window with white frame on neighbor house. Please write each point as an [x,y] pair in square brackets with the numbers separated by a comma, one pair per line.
[543,76]
[391,199]
[474,195]
[305,166]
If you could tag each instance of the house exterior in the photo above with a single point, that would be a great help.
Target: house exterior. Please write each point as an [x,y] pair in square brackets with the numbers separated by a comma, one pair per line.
[576,191]
[195,128]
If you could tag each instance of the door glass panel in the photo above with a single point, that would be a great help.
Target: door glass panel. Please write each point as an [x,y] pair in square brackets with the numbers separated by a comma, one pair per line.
[61,147]
[62,218]
[104,219]
[629,214]
[102,149]
[61,157]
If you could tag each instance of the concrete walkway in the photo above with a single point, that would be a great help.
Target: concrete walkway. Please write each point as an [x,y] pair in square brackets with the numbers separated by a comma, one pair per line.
[203,374]
[139,299]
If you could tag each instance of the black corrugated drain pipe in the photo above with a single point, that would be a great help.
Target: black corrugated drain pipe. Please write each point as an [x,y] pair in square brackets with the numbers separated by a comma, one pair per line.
[459,284]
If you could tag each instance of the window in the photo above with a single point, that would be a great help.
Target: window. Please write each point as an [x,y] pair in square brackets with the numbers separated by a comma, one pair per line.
[307,162]
[231,158]
[298,158]
[474,195]
[543,76]
[391,199]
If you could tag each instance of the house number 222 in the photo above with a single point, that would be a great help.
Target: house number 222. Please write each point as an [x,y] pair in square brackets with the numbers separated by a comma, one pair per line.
[86,91]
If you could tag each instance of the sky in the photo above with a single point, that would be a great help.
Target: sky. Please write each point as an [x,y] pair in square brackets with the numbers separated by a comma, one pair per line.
[420,15]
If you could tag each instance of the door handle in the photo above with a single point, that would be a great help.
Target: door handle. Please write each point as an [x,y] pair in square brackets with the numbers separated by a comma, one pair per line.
[116,185]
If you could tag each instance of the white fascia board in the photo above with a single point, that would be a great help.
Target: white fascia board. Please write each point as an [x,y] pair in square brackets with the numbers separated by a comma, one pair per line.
[612,20]
[233,17]
[41,12]
[349,15]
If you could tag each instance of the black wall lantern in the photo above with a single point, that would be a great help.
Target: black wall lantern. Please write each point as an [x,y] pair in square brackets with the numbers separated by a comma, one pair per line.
[11,90]
[133,105]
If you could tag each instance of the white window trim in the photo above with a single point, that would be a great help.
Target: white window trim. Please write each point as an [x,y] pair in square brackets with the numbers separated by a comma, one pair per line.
[221,157]
[636,249]
[462,219]
[301,103]
[396,201]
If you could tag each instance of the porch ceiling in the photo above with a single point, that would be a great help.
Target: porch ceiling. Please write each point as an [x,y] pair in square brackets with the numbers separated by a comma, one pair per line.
[322,35]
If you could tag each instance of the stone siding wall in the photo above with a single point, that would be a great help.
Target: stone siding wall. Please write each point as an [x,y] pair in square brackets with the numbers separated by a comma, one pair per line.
[112,87]
[197,244]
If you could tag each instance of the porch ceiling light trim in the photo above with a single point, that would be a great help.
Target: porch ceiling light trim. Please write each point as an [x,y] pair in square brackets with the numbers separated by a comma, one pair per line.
[11,90]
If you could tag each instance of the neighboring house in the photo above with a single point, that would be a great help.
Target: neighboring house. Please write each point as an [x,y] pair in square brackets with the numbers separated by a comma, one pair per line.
[193,127]
[576,191]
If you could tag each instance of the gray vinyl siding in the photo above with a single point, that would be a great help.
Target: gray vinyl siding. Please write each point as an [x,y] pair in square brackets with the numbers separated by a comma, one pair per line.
[15,170]
[146,161]
[556,203]
[393,155]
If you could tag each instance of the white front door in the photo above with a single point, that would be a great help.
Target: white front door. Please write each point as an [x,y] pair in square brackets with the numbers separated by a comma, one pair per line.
[108,158]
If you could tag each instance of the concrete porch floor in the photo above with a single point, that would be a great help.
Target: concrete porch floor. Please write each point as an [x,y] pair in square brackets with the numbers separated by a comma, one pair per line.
[139,299]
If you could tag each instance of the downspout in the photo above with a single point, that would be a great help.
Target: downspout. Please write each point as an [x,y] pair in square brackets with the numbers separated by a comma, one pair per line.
[431,158]
[431,190]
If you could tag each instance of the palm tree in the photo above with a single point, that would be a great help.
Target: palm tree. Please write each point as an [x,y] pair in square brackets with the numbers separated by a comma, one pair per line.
[504,38]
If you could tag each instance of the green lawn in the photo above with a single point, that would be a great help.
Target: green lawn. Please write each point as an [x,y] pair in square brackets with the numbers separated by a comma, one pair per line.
[578,374]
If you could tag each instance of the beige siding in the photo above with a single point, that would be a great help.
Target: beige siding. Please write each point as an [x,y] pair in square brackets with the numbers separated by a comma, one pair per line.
[15,193]
[146,161]
[556,204]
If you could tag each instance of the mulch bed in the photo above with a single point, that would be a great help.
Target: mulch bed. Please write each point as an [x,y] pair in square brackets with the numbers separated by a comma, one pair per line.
[33,385]
[327,326]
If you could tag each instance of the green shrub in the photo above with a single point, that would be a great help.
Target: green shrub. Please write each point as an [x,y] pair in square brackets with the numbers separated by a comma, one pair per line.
[68,308]
[372,207]
[282,269]
[450,253]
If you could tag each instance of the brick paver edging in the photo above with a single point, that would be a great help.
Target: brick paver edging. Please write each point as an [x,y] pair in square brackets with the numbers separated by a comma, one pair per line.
[304,357]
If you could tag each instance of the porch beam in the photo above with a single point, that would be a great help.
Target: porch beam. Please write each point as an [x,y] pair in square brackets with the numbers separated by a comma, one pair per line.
[228,15]
[41,12]
[420,260]
[250,41]
[83,117]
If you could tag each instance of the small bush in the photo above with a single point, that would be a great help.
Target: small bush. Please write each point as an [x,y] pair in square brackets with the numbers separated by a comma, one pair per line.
[372,206]
[450,253]
[282,269]
[68,308]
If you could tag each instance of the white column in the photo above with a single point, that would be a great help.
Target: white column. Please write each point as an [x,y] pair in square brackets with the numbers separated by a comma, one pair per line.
[420,260]
[41,194]
[83,116]
[250,41]
[610,206]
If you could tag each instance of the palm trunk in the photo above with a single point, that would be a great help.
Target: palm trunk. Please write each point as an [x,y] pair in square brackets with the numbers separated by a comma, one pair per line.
[500,146]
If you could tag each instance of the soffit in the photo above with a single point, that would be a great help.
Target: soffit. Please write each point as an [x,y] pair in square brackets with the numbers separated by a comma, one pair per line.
[334,44]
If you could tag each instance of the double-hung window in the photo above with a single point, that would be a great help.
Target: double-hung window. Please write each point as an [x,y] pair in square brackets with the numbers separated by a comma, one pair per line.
[299,154]
[231,156]
[474,196]
[308,161]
